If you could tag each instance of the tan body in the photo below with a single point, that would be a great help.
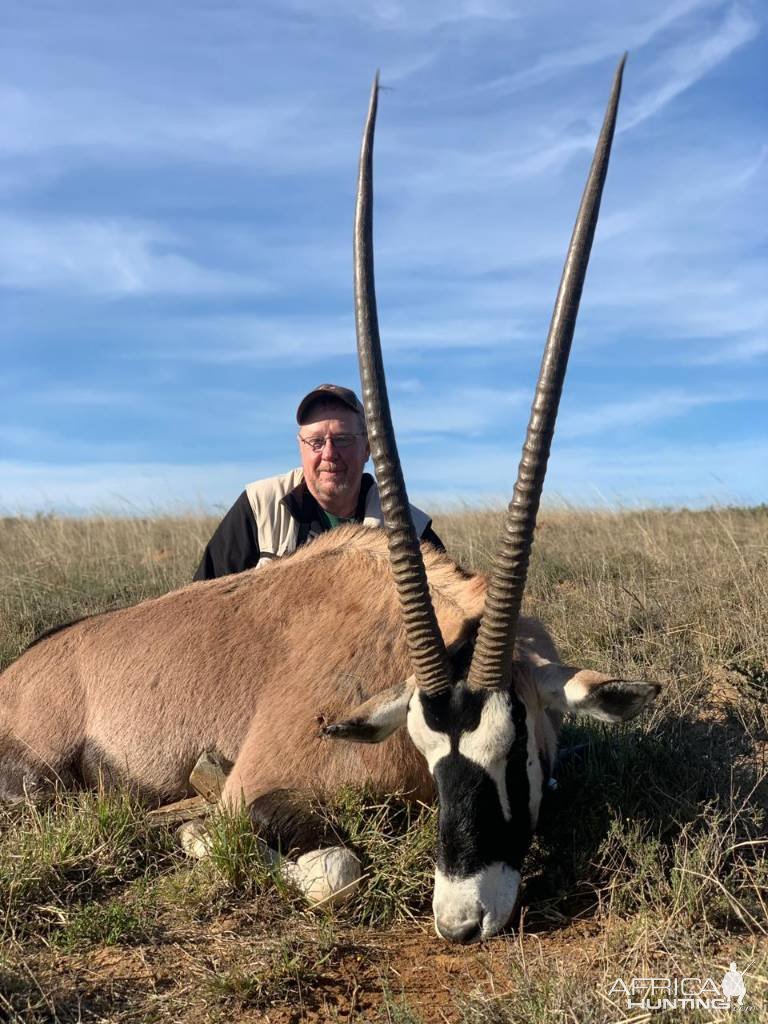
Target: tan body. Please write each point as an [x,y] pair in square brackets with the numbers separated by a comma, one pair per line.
[249,666]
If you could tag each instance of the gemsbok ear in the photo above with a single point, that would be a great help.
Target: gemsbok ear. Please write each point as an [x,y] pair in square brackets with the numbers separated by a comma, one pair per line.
[592,693]
[375,719]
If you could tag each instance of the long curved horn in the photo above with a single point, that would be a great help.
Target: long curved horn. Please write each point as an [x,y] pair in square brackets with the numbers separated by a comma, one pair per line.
[492,661]
[429,659]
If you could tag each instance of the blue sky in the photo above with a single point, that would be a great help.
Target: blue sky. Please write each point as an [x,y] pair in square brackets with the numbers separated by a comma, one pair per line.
[177,185]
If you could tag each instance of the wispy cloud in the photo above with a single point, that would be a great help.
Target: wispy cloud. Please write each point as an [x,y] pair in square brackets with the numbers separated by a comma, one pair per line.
[681,67]
[638,412]
[401,16]
[693,474]
[80,397]
[456,412]
[104,257]
[610,41]
[746,351]
[72,119]
[124,487]
[253,340]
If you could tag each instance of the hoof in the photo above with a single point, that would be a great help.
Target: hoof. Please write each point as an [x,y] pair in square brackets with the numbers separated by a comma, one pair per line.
[194,839]
[325,877]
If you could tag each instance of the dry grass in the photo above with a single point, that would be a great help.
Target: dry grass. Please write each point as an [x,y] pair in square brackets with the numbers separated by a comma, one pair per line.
[651,857]
[55,570]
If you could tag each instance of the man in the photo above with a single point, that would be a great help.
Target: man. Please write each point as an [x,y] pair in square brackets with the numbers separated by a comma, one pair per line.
[273,517]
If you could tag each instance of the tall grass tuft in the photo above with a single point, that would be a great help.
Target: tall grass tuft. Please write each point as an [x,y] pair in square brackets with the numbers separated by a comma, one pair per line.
[76,849]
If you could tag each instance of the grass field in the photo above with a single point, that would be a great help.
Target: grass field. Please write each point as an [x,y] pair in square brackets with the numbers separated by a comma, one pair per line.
[651,857]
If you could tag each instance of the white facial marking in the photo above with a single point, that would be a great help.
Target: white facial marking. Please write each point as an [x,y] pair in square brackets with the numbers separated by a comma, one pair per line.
[489,744]
[433,745]
[485,900]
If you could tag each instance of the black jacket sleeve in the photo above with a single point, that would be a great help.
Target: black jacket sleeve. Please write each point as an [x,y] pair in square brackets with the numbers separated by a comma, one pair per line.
[234,545]
[431,537]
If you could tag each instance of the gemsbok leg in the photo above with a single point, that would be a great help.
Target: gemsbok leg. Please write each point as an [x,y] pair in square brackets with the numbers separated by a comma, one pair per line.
[298,842]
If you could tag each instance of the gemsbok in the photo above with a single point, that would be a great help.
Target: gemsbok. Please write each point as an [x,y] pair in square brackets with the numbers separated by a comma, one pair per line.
[349,639]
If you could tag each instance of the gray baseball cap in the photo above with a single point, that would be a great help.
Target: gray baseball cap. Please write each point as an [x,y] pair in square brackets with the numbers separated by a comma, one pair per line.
[333,392]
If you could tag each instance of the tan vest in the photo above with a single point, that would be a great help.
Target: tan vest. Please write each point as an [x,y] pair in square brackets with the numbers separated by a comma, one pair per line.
[278,531]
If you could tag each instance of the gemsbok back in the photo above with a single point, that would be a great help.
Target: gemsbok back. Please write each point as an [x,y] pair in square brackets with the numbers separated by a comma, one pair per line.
[350,638]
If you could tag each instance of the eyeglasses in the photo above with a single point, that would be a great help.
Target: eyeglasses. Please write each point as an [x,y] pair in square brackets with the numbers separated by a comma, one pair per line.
[337,440]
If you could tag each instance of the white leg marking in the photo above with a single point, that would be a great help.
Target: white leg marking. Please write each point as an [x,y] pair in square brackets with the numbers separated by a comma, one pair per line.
[329,877]
[195,840]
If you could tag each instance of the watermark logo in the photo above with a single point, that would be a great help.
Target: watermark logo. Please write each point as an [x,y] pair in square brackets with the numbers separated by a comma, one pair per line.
[733,984]
[682,993]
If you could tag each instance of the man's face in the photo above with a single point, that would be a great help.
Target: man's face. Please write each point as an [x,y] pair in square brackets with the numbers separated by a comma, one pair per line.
[333,474]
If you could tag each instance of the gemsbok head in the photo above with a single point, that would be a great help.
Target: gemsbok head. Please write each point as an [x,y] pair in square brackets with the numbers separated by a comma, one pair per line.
[484,717]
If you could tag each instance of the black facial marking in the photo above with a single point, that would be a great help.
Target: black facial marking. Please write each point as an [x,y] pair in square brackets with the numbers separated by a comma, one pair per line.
[454,711]
[473,831]
[518,785]
[461,659]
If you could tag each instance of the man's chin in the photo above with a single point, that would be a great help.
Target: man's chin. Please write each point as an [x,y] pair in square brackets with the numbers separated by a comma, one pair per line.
[333,484]
[331,490]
